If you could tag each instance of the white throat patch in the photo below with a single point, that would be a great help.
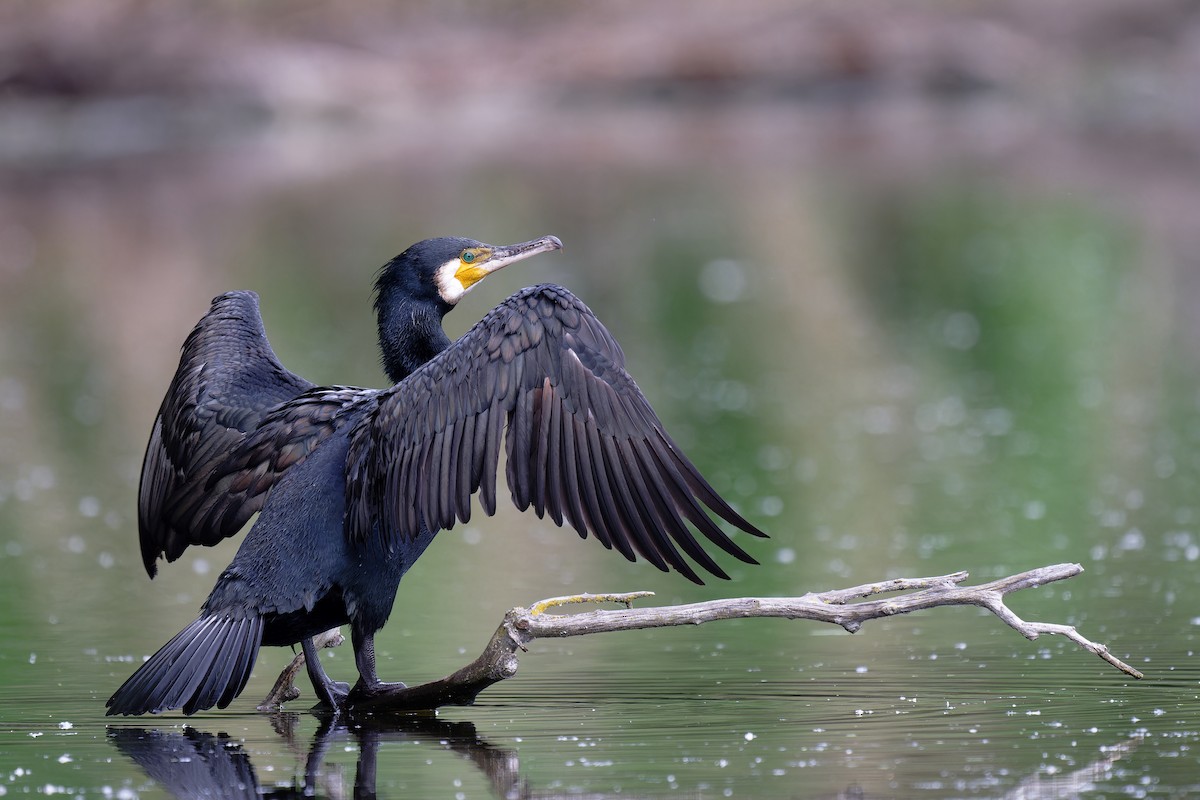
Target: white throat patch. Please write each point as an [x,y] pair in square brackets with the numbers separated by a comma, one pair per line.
[448,286]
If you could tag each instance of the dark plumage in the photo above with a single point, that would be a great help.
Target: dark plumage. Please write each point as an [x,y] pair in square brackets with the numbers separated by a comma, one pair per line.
[352,484]
[193,764]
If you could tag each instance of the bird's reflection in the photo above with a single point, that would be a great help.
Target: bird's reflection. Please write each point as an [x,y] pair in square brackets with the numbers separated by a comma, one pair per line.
[195,764]
[191,763]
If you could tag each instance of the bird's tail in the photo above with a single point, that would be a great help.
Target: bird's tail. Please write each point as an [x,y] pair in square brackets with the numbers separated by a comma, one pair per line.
[207,664]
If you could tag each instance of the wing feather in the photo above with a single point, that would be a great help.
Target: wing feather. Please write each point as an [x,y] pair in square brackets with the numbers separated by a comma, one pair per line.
[606,501]
[464,460]
[582,444]
[586,471]
[491,457]
[571,490]
[550,480]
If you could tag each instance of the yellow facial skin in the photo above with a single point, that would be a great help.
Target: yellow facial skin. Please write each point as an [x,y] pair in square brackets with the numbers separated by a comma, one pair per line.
[472,266]
[454,278]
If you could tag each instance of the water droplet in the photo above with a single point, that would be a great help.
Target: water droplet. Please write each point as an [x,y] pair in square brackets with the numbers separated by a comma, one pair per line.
[1133,539]
[771,506]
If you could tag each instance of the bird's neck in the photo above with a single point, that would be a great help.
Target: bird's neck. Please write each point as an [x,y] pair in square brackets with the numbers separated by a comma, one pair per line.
[410,334]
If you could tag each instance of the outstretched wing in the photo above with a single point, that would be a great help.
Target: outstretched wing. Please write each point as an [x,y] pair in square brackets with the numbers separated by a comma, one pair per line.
[583,444]
[227,380]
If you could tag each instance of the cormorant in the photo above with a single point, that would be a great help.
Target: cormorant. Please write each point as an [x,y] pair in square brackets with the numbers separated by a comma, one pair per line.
[352,484]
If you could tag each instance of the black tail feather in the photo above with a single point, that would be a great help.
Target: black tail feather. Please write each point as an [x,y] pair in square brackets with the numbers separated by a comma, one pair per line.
[205,664]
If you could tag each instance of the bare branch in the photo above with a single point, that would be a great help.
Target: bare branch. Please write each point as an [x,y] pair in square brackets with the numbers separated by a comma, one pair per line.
[520,626]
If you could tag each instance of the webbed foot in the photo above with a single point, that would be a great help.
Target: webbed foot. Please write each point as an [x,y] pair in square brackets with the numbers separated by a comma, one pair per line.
[332,695]
[371,691]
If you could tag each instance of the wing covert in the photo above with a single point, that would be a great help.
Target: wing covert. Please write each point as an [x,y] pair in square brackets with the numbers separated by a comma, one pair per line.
[582,443]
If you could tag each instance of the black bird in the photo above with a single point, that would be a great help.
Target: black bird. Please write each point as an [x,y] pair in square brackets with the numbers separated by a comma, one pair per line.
[352,484]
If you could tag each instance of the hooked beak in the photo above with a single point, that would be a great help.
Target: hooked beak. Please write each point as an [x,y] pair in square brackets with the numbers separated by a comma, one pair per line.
[498,257]
[503,256]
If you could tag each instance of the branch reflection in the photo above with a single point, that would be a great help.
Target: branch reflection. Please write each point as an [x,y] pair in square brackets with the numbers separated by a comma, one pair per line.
[189,763]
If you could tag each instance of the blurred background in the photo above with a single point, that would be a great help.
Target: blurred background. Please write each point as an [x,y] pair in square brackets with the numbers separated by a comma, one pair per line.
[916,285]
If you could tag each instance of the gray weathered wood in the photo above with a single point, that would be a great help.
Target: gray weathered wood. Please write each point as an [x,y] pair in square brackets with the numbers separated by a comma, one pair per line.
[848,608]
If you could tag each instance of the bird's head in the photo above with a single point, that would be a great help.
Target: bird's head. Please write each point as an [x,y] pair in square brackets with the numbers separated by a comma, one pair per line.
[442,270]
[416,289]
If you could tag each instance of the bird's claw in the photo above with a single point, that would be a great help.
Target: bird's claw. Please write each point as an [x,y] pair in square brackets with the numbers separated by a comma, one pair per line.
[333,695]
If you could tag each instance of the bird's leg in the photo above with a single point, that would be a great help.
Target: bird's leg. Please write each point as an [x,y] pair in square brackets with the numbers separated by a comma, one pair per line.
[368,684]
[285,689]
[330,692]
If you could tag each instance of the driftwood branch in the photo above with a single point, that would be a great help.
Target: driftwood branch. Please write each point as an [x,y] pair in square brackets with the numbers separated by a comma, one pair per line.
[521,626]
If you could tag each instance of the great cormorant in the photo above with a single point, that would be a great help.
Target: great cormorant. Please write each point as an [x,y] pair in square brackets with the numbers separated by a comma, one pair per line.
[352,484]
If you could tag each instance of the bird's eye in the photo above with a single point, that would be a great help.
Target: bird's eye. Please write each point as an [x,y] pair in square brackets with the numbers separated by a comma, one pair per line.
[468,256]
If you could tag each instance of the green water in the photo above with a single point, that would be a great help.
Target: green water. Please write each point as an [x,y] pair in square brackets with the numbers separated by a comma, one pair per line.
[894,378]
